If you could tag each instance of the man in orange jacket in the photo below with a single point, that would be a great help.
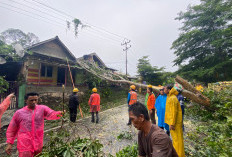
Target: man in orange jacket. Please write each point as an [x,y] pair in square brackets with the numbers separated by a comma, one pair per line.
[94,102]
[131,99]
[151,104]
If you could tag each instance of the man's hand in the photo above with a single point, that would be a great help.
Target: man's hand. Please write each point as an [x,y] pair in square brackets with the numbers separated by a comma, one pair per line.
[9,148]
[172,127]
[11,95]
[63,112]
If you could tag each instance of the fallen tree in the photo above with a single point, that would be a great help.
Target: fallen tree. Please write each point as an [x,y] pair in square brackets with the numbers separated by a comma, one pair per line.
[189,91]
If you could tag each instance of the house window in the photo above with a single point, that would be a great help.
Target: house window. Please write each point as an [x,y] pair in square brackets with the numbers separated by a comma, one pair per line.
[49,71]
[46,71]
[43,70]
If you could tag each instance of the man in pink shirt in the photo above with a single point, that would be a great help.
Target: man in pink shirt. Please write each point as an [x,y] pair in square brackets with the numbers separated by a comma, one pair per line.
[27,125]
[4,106]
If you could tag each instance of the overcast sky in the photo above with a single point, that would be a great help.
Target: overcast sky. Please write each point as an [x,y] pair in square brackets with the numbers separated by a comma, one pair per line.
[149,24]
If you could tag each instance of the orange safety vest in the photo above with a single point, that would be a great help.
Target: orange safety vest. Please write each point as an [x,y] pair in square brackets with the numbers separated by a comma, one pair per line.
[133,97]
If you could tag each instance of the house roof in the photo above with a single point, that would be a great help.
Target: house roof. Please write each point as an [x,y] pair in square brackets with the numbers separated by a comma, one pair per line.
[56,39]
[99,59]
[92,54]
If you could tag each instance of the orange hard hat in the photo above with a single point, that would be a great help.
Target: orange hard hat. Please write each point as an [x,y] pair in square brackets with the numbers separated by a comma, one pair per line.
[132,87]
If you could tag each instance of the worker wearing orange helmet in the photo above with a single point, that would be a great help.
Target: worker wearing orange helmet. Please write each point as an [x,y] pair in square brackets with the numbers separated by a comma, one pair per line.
[94,102]
[131,99]
[73,105]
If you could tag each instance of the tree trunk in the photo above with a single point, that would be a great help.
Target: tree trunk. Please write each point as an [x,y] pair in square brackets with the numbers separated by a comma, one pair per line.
[189,91]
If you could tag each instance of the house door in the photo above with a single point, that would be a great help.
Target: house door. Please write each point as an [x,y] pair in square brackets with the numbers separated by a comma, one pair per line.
[61,76]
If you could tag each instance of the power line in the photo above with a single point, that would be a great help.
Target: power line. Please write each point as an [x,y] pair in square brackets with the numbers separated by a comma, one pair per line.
[30,12]
[100,37]
[28,15]
[53,17]
[56,22]
[47,21]
[115,62]
[64,13]
[61,12]
[36,10]
[41,6]
[92,30]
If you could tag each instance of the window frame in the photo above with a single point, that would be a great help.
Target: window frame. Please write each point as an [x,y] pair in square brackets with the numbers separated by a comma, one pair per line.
[46,71]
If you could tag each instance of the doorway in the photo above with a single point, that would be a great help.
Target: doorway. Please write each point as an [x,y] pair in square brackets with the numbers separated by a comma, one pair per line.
[61,76]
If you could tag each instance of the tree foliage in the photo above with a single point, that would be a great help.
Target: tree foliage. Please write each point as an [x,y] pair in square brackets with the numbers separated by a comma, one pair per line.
[7,51]
[4,85]
[212,136]
[131,150]
[61,145]
[16,36]
[203,48]
[152,74]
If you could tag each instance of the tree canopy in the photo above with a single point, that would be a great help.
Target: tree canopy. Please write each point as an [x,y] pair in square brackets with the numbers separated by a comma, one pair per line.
[151,74]
[16,36]
[204,46]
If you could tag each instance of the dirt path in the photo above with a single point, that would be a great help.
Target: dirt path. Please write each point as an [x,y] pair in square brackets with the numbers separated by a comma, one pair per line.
[112,123]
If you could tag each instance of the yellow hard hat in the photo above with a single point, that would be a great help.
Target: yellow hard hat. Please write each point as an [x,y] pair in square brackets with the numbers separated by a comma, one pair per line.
[75,90]
[94,90]
[132,87]
[149,86]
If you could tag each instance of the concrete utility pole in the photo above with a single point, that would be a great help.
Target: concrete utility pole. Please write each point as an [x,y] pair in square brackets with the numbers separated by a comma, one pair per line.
[127,46]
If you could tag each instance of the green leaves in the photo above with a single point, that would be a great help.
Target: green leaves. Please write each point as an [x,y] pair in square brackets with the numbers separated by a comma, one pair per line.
[130,151]
[124,135]
[4,85]
[205,42]
[212,136]
[61,145]
[151,74]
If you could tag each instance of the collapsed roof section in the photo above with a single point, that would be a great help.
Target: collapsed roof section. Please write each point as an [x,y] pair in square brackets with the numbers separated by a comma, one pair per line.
[93,64]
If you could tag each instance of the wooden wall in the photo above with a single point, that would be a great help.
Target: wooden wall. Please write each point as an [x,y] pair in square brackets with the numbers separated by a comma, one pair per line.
[33,74]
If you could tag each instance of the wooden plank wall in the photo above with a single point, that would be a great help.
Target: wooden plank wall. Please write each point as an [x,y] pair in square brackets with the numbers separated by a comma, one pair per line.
[33,75]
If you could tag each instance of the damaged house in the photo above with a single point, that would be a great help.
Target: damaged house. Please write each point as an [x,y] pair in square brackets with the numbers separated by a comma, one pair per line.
[44,69]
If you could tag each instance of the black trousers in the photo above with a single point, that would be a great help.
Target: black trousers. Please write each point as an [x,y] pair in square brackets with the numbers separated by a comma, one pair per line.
[73,114]
[182,108]
[152,116]
[97,117]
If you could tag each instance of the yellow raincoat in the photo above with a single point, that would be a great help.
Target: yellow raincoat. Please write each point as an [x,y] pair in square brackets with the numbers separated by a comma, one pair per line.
[173,116]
